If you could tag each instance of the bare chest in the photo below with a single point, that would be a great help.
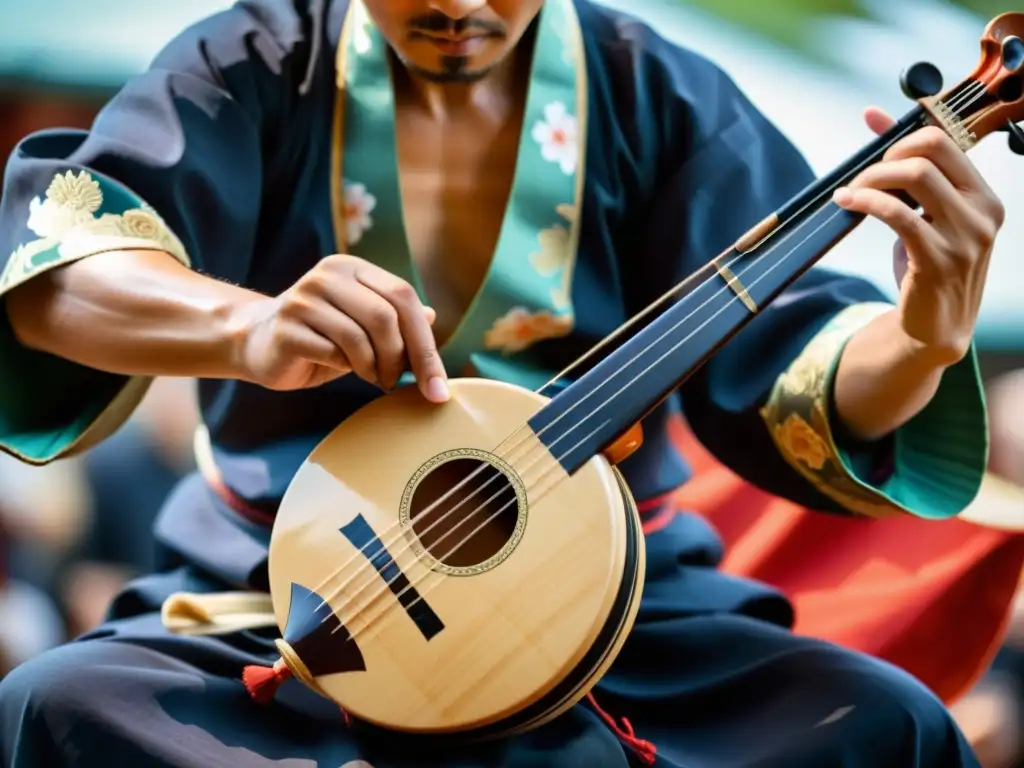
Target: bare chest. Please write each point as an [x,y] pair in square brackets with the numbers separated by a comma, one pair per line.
[455,182]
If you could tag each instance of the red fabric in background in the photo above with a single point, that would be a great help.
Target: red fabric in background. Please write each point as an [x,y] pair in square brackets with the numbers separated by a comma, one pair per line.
[932,598]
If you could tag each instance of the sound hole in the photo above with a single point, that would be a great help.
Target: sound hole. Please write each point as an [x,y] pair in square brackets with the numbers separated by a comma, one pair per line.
[464,511]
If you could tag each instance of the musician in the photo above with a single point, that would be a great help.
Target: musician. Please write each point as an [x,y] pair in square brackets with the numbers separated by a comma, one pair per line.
[495,187]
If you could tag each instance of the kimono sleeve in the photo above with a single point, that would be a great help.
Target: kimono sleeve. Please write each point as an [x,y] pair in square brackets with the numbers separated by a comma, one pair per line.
[172,163]
[764,404]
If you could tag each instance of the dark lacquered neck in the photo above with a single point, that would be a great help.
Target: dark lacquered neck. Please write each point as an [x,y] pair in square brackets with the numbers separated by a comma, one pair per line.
[712,306]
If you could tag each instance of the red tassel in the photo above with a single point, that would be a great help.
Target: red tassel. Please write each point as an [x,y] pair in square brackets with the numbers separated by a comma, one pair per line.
[262,682]
[645,750]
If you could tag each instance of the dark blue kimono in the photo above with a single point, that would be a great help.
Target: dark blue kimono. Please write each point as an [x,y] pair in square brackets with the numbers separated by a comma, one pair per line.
[221,155]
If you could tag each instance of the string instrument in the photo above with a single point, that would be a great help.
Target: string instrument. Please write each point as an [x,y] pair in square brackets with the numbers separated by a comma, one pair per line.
[479,573]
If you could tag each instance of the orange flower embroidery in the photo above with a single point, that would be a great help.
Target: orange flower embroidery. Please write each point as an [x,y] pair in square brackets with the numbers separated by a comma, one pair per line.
[798,439]
[520,328]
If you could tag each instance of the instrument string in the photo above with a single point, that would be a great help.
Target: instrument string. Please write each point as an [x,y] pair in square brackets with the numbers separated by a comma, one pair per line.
[970,95]
[552,467]
[361,553]
[540,455]
[545,452]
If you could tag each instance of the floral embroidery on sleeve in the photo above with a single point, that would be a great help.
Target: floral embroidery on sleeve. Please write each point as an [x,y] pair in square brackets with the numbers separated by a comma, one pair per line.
[798,440]
[797,416]
[71,226]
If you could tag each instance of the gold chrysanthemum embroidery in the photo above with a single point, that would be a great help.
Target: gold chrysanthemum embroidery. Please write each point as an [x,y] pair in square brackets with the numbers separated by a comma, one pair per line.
[520,328]
[554,250]
[71,200]
[567,211]
[554,257]
[69,227]
[78,191]
[799,440]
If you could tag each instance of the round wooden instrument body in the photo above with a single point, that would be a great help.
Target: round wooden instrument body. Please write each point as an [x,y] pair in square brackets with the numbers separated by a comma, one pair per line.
[492,610]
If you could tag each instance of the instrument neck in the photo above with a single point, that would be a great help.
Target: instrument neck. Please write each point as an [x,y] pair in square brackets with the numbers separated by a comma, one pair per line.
[709,308]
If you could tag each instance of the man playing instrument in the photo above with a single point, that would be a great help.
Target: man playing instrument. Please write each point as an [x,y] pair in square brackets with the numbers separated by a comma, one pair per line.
[305,204]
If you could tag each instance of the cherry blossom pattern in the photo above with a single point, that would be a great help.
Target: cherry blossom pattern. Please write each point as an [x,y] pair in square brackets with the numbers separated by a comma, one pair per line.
[556,134]
[69,225]
[520,328]
[356,210]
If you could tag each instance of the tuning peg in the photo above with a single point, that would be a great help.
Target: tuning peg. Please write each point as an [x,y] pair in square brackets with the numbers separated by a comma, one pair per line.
[1013,53]
[918,81]
[1016,140]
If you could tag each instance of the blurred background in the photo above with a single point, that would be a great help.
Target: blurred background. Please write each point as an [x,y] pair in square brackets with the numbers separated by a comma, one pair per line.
[71,533]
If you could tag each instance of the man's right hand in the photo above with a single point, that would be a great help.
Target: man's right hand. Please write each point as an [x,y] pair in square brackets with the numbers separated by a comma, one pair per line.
[345,315]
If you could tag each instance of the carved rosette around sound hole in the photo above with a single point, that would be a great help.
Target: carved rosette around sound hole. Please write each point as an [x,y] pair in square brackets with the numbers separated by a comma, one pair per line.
[464,511]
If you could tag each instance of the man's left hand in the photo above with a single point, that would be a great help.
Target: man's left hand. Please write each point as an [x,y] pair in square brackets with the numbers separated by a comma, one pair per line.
[941,258]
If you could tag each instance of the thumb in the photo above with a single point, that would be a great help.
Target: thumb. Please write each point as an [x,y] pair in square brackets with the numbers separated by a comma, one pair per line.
[878,121]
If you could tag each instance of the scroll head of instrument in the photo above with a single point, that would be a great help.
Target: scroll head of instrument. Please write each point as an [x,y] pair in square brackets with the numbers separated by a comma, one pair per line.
[992,98]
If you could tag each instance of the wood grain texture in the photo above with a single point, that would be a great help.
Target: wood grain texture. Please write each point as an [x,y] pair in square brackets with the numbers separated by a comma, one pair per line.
[511,632]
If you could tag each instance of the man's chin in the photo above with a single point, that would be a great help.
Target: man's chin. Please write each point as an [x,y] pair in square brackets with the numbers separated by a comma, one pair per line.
[450,70]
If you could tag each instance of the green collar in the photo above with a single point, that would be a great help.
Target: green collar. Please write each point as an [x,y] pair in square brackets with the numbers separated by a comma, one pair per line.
[525,296]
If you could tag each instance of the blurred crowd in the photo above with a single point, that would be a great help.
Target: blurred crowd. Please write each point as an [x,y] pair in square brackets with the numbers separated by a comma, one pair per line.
[72,532]
[993,714]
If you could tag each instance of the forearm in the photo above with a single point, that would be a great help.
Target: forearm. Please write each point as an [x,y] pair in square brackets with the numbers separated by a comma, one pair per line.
[137,313]
[883,379]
